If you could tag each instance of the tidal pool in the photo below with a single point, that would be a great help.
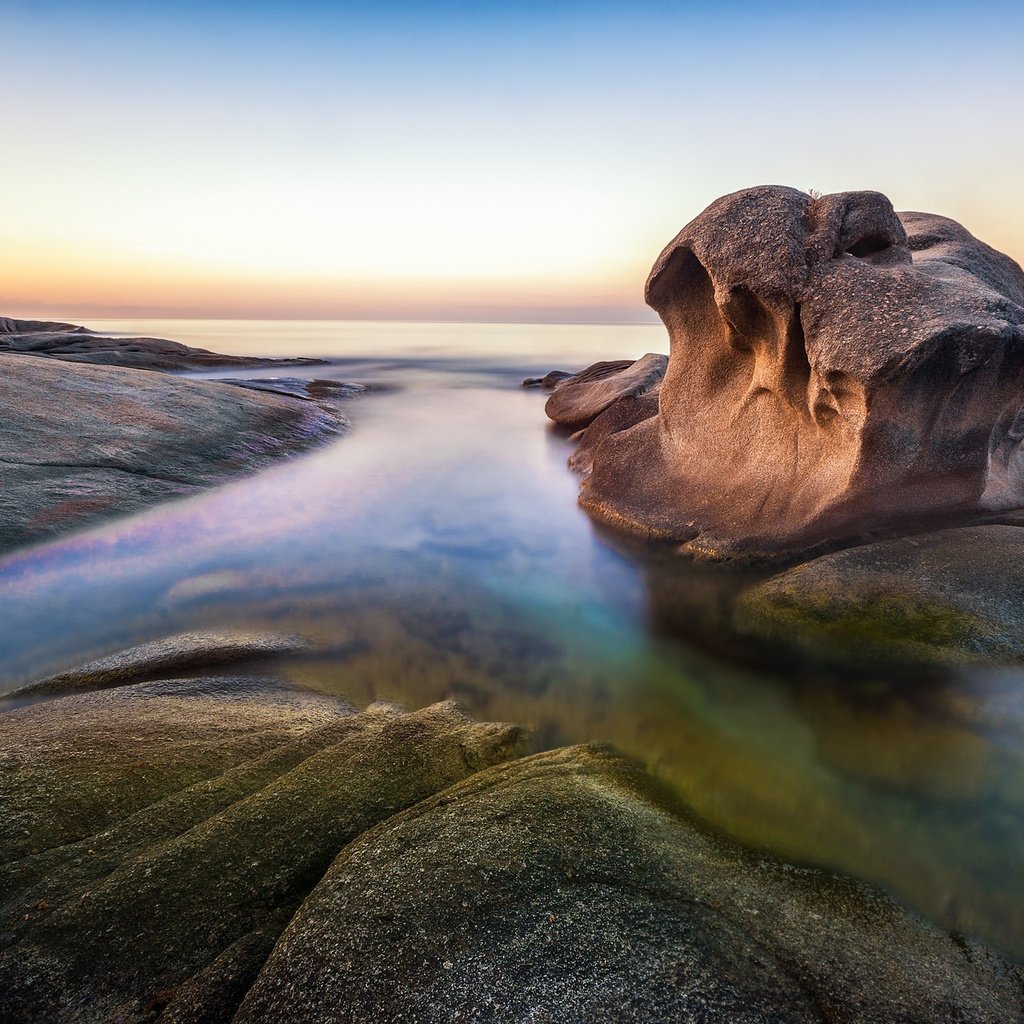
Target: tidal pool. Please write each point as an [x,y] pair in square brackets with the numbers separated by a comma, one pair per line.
[437,551]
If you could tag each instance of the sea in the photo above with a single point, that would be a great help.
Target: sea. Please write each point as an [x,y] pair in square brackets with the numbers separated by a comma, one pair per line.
[436,551]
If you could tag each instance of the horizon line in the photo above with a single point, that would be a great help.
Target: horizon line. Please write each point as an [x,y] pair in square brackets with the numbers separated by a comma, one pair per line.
[59,318]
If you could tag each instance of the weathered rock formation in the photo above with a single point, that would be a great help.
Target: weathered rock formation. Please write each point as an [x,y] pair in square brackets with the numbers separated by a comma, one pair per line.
[81,345]
[835,368]
[156,838]
[82,443]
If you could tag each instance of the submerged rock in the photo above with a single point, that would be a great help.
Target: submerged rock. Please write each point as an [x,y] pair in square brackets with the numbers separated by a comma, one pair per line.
[944,598]
[835,368]
[76,344]
[299,387]
[565,888]
[84,443]
[182,652]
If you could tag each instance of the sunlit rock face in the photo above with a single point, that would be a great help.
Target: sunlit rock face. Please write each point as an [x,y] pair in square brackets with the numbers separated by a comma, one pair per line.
[835,367]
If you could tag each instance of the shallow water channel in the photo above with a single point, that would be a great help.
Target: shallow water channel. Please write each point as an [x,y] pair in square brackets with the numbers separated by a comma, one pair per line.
[437,551]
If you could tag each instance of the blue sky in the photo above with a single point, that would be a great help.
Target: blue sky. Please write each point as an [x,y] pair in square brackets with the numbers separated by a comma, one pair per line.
[467,160]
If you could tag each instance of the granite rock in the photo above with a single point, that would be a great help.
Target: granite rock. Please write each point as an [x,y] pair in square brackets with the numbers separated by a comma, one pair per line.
[835,369]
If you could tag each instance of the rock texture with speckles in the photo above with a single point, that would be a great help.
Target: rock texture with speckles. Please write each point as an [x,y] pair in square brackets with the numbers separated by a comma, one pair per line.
[157,837]
[201,851]
[835,368]
[565,889]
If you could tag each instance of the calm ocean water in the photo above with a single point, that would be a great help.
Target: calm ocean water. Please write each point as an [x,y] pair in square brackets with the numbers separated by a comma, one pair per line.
[437,551]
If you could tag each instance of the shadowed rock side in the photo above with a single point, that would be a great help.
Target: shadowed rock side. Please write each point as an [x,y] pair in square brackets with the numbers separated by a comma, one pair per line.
[835,368]
[80,444]
[158,838]
[76,344]
[952,597]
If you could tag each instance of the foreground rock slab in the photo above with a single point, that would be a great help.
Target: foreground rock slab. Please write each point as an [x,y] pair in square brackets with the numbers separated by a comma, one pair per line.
[835,368]
[75,344]
[201,851]
[159,836]
[951,597]
[84,443]
[565,888]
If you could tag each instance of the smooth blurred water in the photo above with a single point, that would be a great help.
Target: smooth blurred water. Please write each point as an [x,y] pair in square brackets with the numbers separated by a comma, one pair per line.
[437,551]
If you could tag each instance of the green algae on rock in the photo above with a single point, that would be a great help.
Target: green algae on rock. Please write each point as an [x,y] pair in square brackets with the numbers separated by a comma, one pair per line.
[951,597]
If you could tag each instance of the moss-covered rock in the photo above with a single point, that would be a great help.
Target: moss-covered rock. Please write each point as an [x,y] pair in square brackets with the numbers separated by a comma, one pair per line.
[565,887]
[951,597]
[185,885]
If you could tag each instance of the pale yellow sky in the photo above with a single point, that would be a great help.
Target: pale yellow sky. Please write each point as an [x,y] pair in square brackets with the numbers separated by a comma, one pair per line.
[228,160]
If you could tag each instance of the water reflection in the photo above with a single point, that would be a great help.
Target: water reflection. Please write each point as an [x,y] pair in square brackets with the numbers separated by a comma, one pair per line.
[438,552]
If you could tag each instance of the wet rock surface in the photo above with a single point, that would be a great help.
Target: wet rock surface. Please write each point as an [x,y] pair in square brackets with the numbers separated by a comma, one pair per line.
[835,368]
[72,343]
[78,444]
[951,597]
[579,894]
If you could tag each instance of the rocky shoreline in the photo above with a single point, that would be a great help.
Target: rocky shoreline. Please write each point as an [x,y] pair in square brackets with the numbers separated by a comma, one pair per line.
[99,428]
[228,848]
[72,343]
[196,848]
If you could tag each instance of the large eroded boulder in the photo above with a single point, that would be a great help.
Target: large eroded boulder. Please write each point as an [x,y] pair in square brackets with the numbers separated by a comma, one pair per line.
[835,368]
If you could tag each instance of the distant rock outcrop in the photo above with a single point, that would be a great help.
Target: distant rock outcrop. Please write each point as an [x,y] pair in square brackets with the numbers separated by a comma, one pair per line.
[79,444]
[835,368]
[80,345]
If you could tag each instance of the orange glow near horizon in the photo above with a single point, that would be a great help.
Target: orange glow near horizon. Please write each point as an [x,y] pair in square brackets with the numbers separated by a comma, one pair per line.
[491,163]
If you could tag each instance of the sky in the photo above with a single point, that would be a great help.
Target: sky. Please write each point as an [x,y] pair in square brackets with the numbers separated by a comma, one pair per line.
[466,161]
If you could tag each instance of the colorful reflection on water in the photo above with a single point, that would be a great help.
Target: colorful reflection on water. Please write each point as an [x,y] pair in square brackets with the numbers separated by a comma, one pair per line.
[437,551]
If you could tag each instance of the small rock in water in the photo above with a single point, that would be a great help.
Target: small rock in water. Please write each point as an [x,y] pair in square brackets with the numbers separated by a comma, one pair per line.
[299,387]
[182,652]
